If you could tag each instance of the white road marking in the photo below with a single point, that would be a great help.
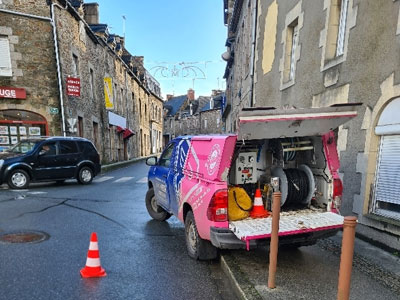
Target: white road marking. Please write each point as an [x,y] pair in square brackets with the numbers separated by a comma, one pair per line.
[124,179]
[143,180]
[102,179]
[37,193]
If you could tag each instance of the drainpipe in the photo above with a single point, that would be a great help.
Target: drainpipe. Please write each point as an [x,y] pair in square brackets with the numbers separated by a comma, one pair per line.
[253,51]
[60,89]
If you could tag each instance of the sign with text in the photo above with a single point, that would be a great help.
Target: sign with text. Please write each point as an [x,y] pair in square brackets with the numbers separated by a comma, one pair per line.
[108,93]
[12,93]
[73,86]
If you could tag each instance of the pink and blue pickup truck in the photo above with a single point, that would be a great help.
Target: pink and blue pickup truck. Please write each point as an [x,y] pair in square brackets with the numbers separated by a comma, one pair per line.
[191,179]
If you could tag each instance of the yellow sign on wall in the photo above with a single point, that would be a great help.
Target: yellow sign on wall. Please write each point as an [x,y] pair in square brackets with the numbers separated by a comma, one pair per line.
[108,93]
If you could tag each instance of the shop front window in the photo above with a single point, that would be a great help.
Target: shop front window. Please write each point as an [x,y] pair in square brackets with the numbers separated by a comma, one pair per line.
[18,125]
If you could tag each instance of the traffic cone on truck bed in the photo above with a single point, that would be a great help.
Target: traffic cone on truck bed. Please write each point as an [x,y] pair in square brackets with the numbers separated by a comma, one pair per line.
[93,267]
[258,210]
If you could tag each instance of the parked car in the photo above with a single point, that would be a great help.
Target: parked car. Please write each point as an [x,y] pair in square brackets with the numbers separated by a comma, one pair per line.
[49,159]
[193,178]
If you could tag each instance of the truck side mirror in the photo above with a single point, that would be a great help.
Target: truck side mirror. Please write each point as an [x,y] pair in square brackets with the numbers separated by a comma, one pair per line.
[151,161]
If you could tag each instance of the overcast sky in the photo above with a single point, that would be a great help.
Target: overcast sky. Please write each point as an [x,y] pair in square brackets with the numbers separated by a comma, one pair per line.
[181,40]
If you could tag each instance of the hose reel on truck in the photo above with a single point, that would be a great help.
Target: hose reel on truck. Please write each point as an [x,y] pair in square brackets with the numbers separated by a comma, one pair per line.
[297,185]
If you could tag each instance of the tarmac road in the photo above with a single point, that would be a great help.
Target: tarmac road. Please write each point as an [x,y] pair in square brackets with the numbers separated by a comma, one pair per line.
[143,258]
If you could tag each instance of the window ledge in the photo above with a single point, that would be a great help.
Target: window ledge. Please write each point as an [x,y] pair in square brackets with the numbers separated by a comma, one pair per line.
[380,218]
[287,84]
[333,62]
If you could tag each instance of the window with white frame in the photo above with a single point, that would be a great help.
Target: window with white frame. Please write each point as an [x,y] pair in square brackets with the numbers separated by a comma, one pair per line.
[386,201]
[341,16]
[5,57]
[294,34]
[342,27]
[291,45]
[291,48]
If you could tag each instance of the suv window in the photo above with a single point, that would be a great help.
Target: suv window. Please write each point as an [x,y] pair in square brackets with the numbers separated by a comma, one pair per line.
[67,147]
[87,147]
[48,149]
[165,158]
[23,147]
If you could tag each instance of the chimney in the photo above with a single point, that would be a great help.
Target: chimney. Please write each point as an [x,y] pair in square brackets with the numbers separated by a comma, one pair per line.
[190,94]
[91,13]
[169,96]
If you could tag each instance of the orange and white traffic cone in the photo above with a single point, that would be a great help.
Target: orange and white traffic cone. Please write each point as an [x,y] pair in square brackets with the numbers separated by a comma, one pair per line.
[93,267]
[258,210]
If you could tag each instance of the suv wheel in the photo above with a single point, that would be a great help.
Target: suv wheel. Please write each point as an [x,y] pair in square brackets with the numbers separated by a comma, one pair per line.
[154,210]
[85,175]
[197,247]
[18,179]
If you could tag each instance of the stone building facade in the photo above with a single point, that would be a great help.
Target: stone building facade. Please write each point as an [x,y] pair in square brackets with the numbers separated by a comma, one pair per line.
[185,115]
[321,53]
[112,107]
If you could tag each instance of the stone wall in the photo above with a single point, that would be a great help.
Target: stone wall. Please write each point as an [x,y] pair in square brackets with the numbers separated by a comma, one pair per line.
[33,63]
[34,68]
[211,122]
[367,72]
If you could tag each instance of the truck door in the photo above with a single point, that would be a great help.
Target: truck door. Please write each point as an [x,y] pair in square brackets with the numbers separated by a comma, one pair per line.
[162,171]
[175,177]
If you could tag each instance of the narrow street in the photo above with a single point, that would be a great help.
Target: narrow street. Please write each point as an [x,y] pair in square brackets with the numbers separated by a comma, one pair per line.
[144,259]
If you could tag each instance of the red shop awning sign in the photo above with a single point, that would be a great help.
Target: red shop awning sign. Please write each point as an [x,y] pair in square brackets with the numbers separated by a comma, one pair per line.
[12,93]
[73,86]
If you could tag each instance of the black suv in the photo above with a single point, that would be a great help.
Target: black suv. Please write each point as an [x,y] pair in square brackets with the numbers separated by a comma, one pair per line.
[48,159]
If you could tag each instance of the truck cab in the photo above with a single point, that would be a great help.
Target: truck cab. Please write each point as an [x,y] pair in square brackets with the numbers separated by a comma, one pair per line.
[192,178]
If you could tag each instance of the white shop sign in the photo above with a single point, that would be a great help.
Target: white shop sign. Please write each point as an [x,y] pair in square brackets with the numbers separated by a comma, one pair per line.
[116,120]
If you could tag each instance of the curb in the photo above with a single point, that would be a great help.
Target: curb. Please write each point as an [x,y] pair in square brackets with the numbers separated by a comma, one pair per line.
[243,289]
[122,164]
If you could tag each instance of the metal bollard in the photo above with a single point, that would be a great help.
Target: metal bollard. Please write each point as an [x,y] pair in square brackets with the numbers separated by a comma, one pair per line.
[273,248]
[346,258]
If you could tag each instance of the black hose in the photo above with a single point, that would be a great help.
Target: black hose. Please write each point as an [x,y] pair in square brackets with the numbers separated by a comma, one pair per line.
[297,186]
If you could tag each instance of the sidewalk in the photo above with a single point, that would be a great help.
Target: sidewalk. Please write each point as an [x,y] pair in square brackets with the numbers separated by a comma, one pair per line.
[312,272]
[124,163]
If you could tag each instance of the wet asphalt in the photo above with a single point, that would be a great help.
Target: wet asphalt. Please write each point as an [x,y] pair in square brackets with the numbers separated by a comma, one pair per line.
[143,258]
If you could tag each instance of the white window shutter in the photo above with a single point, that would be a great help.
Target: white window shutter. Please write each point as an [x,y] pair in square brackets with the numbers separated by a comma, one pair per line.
[5,58]
[387,176]
[293,52]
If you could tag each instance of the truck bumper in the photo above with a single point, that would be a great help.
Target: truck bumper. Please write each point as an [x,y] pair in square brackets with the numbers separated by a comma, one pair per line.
[223,238]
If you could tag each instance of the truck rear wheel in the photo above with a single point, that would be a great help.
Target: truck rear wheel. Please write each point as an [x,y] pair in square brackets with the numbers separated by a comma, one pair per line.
[154,210]
[197,247]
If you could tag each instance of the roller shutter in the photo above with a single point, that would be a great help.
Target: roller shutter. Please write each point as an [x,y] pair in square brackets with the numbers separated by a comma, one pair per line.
[387,185]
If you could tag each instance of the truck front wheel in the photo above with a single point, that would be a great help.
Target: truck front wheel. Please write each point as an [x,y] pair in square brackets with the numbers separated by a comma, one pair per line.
[154,210]
[197,247]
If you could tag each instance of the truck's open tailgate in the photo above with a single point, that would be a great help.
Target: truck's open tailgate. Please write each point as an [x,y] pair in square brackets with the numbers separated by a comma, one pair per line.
[266,123]
[290,223]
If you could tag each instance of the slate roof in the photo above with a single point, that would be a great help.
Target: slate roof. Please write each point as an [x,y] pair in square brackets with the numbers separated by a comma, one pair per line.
[76,3]
[102,28]
[174,104]
[217,104]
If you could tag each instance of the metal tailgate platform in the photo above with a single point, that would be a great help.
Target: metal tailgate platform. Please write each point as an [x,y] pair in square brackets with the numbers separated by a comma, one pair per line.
[290,223]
